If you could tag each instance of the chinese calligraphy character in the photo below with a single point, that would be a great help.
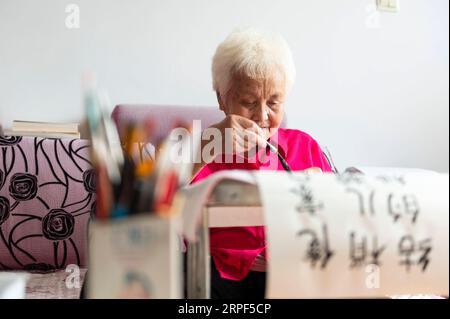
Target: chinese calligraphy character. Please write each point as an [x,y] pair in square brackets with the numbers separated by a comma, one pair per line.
[403,205]
[359,251]
[407,247]
[391,179]
[318,251]
[349,178]
[307,200]
[363,205]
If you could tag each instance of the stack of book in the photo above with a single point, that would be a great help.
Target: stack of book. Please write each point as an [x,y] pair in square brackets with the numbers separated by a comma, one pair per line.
[43,129]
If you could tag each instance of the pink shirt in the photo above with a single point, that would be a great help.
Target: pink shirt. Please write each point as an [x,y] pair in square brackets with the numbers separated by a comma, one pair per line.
[234,249]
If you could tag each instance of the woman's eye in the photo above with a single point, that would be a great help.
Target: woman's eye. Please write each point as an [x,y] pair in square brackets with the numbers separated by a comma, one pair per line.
[248,103]
[273,104]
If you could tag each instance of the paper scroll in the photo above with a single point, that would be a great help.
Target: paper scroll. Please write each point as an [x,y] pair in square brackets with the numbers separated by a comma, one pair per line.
[354,236]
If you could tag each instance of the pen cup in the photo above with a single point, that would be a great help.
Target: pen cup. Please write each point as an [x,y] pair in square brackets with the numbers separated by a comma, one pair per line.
[135,258]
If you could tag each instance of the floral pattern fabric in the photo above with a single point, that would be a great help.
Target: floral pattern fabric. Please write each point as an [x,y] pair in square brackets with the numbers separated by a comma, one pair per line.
[47,196]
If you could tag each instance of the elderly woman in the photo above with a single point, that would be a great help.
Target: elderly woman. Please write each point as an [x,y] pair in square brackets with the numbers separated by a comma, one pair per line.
[252,75]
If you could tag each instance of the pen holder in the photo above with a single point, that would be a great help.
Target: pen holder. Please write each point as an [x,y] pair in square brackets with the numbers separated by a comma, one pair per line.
[135,257]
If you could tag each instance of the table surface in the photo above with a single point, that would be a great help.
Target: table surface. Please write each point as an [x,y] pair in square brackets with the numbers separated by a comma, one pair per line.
[54,285]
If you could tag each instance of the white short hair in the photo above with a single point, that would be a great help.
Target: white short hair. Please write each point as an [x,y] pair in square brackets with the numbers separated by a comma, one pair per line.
[254,54]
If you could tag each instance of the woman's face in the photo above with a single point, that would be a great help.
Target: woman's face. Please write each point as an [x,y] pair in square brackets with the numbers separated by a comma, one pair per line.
[261,101]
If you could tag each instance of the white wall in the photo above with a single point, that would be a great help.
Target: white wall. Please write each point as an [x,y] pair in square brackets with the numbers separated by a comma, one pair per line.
[372,86]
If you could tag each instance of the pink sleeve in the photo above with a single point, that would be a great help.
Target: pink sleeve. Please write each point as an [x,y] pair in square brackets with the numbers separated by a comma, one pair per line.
[318,158]
[204,172]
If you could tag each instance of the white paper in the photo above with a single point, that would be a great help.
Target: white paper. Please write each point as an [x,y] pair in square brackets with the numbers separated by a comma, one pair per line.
[197,196]
[12,285]
[360,233]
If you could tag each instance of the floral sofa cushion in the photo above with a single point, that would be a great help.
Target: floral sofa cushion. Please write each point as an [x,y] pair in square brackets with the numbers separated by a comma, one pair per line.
[47,195]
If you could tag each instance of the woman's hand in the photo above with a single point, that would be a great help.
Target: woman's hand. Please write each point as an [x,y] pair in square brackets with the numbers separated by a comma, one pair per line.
[312,170]
[235,134]
[239,134]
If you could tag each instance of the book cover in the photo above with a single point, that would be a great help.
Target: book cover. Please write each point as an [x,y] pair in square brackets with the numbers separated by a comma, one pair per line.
[31,126]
